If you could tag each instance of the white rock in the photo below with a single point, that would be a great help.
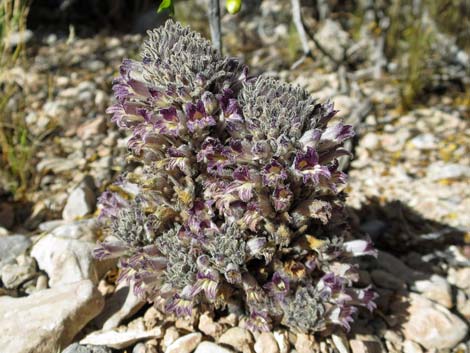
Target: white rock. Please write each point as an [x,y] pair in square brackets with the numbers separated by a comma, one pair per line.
[430,324]
[435,288]
[122,304]
[239,338]
[306,343]
[185,344]
[424,142]
[48,320]
[67,260]
[460,277]
[81,201]
[210,347]
[171,335]
[360,346]
[411,347]
[282,339]
[340,342]
[440,170]
[266,343]
[209,327]
[11,246]
[16,273]
[120,339]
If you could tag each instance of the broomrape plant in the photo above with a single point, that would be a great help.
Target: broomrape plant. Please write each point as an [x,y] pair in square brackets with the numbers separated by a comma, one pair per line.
[239,195]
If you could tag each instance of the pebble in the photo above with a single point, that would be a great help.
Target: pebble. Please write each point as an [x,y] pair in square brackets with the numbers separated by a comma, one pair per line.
[210,347]
[12,246]
[122,304]
[239,338]
[340,342]
[78,348]
[305,343]
[459,277]
[171,335]
[185,344]
[436,288]
[266,343]
[411,347]
[282,339]
[14,274]
[360,346]
[120,339]
[430,324]
[67,260]
[48,320]
[81,202]
[209,327]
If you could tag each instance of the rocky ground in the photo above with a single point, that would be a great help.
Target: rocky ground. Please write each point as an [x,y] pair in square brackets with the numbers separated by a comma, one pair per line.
[409,190]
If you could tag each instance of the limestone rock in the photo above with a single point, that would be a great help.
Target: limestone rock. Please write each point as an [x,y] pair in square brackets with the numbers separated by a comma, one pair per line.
[11,246]
[122,304]
[16,273]
[266,343]
[239,338]
[435,288]
[120,339]
[185,344]
[430,324]
[210,347]
[48,320]
[81,201]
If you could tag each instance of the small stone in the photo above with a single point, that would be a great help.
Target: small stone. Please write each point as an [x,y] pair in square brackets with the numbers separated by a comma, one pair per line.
[266,343]
[152,317]
[120,339]
[78,348]
[458,277]
[81,201]
[282,339]
[171,335]
[370,141]
[210,347]
[305,343]
[14,274]
[185,344]
[238,338]
[48,320]
[411,347]
[11,246]
[435,288]
[429,324]
[121,305]
[424,142]
[463,303]
[359,346]
[92,128]
[66,260]
[209,327]
[340,342]
[440,170]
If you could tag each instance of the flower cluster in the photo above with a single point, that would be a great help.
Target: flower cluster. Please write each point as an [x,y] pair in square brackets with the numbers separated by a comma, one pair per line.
[239,195]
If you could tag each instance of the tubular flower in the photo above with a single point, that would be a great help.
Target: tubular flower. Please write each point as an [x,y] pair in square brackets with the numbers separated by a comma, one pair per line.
[237,174]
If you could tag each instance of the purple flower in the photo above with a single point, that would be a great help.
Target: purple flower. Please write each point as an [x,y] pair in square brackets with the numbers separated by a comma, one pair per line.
[306,165]
[360,248]
[273,173]
[282,198]
[207,282]
[168,122]
[278,287]
[197,118]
